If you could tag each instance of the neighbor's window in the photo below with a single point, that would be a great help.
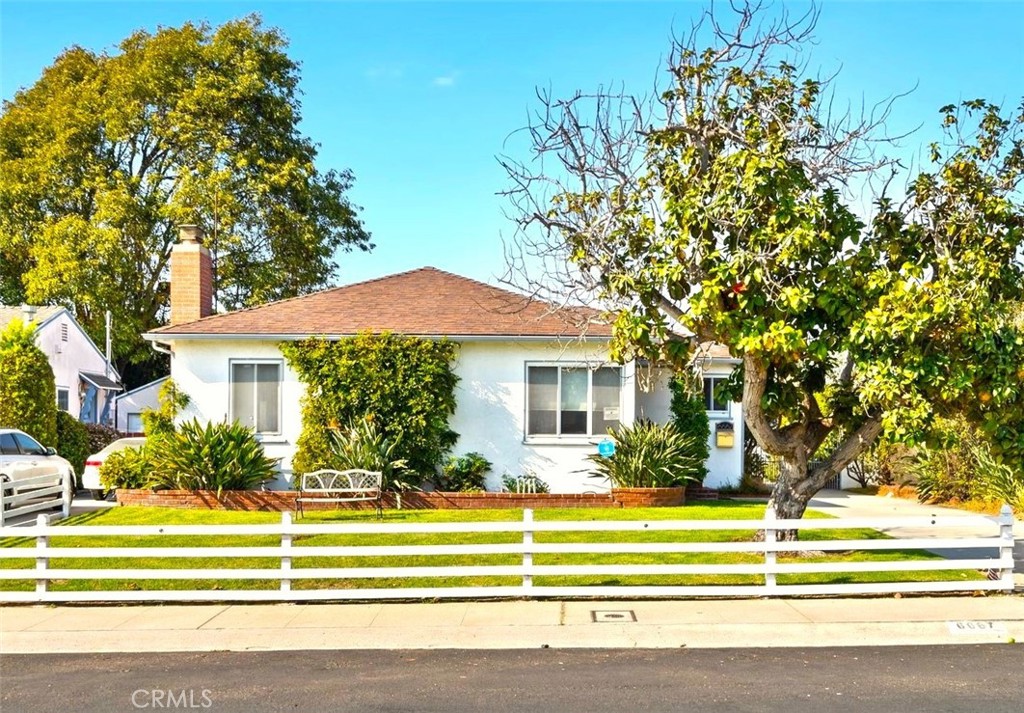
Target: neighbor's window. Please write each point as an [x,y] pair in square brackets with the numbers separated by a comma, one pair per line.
[714,401]
[135,423]
[572,400]
[62,399]
[256,395]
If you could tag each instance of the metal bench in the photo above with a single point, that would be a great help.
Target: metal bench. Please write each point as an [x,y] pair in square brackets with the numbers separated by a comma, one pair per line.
[340,486]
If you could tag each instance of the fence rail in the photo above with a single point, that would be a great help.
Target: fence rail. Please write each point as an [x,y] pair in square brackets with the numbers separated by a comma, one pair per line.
[290,550]
[28,495]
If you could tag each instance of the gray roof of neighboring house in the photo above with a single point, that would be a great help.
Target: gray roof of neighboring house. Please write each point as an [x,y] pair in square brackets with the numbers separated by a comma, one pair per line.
[43,314]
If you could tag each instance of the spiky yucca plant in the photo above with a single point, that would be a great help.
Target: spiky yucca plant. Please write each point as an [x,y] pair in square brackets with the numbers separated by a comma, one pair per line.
[361,444]
[651,455]
[218,456]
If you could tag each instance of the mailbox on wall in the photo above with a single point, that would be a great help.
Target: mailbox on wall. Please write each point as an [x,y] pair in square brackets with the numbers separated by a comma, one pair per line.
[725,434]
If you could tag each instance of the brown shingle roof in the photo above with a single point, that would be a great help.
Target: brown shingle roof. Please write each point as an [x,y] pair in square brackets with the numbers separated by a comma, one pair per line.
[423,302]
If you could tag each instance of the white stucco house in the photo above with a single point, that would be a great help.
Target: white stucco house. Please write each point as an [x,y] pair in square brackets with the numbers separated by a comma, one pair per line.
[86,383]
[534,394]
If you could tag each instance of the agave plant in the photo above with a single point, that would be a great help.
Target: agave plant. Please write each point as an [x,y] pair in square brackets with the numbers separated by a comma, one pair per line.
[217,457]
[651,455]
[362,444]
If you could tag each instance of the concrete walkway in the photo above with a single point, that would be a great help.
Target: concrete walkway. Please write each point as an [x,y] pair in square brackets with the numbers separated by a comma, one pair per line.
[844,504]
[514,625]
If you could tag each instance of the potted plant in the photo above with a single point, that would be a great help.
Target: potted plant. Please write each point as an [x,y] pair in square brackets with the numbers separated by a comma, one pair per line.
[651,465]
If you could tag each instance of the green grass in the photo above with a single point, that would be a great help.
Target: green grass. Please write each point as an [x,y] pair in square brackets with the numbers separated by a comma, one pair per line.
[709,511]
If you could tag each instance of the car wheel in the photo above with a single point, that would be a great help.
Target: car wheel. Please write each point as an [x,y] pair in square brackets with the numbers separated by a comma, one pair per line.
[99,494]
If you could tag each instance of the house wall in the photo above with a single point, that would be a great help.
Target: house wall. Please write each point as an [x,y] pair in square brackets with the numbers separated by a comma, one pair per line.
[490,417]
[491,414]
[68,358]
[654,399]
[144,397]
[201,369]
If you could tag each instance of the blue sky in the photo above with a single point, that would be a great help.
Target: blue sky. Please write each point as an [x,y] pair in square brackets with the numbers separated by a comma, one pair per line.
[418,98]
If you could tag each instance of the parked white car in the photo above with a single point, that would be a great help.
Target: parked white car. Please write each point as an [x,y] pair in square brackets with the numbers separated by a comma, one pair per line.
[91,474]
[21,457]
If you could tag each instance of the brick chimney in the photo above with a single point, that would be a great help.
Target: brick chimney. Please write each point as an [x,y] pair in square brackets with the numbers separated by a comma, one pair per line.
[191,277]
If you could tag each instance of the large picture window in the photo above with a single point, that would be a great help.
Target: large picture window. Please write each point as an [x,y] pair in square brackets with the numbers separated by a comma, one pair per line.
[572,400]
[256,395]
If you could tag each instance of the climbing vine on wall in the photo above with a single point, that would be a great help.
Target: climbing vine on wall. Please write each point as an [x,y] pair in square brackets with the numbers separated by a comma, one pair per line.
[405,384]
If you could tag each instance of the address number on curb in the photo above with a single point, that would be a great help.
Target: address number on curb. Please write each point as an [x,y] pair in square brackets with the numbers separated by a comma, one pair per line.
[976,627]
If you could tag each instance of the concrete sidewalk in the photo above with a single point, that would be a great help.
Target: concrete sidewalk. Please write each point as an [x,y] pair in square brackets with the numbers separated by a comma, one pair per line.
[514,625]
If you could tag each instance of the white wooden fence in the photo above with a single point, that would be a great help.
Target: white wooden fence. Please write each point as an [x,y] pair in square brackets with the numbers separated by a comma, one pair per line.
[28,495]
[997,541]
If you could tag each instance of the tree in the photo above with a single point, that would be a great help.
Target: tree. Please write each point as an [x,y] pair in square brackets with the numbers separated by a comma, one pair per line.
[105,155]
[718,212]
[28,396]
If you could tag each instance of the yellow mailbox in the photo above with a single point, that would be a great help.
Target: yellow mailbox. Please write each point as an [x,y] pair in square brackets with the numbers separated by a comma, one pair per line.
[725,434]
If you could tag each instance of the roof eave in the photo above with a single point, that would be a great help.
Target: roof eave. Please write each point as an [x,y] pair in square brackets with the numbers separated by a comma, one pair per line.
[186,336]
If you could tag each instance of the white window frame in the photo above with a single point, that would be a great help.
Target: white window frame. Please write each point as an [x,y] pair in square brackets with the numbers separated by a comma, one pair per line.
[712,412]
[231,391]
[67,394]
[128,422]
[558,437]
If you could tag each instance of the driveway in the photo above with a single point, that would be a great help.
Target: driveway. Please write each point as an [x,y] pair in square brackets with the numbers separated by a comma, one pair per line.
[844,504]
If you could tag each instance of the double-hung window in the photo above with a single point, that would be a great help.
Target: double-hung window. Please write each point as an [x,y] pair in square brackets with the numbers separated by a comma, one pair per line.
[62,398]
[256,395]
[572,400]
[714,401]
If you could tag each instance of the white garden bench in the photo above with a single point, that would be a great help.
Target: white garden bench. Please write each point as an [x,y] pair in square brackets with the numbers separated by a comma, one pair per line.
[340,486]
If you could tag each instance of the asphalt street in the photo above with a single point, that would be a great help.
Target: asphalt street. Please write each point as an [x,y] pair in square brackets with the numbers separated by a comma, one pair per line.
[974,679]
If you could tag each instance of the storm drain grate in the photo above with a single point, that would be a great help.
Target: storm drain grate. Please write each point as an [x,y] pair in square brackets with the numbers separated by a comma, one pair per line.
[616,616]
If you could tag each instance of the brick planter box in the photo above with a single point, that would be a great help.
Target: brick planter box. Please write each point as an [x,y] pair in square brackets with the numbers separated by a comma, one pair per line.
[649,497]
[284,500]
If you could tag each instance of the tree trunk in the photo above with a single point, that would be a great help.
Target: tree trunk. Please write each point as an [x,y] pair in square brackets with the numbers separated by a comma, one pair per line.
[789,501]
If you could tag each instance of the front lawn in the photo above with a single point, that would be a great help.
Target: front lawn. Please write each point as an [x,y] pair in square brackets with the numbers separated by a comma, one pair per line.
[707,511]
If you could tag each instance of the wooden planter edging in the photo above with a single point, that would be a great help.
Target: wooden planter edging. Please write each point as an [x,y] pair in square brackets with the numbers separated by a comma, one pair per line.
[284,500]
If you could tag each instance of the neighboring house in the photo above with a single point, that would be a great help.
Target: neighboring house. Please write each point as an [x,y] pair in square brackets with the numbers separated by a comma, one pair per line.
[128,407]
[534,395]
[86,385]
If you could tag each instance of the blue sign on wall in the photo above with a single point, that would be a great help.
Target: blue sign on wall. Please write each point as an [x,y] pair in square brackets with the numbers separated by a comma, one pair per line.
[606,448]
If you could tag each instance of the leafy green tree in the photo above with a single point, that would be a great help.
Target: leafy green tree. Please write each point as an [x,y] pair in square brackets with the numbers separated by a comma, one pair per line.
[160,421]
[106,154]
[28,396]
[715,213]
[72,440]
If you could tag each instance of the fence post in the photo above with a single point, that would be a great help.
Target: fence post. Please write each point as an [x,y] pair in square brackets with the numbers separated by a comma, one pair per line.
[1006,548]
[42,542]
[527,549]
[68,492]
[286,544]
[4,483]
[770,537]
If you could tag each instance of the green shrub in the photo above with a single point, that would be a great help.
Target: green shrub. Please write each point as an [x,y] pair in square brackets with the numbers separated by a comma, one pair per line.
[219,457]
[28,396]
[361,444]
[160,421]
[406,384]
[100,436]
[127,468]
[691,419]
[650,455]
[948,470]
[72,440]
[464,473]
[1001,481]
